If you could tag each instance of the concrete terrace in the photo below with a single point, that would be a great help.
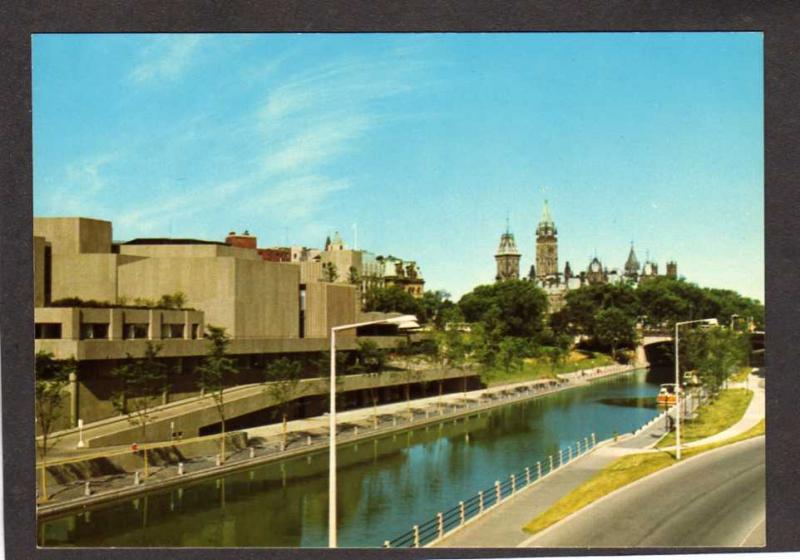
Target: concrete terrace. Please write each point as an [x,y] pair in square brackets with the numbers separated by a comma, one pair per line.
[310,435]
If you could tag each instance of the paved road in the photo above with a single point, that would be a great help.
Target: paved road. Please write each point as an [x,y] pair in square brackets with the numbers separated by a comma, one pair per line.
[715,499]
[503,526]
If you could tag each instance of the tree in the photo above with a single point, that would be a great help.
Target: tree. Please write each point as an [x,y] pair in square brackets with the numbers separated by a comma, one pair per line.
[613,327]
[172,301]
[407,351]
[456,354]
[352,276]
[393,299]
[282,377]
[329,272]
[664,301]
[579,315]
[512,308]
[51,379]
[217,368]
[558,352]
[143,381]
[714,353]
[436,308]
[323,367]
[448,351]
[371,359]
[509,354]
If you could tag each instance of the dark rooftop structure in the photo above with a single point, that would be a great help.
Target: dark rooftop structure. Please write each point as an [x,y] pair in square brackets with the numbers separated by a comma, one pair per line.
[169,241]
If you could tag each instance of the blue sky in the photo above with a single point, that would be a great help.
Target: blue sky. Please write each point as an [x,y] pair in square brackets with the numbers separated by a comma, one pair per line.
[425,141]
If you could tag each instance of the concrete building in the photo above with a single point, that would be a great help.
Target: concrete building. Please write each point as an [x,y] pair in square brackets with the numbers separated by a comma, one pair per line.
[108,293]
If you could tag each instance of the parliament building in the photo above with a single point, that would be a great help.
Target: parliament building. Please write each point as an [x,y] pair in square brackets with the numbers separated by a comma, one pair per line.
[556,283]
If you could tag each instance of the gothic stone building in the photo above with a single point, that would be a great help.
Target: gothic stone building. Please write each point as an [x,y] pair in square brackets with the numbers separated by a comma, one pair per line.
[545,273]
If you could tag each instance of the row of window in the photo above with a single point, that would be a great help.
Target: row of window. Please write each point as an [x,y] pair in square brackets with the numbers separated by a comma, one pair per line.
[90,331]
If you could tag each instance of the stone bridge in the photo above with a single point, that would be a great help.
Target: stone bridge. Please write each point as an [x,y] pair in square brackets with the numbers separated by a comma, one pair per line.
[649,338]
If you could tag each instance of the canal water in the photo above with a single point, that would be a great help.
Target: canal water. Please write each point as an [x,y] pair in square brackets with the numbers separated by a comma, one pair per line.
[386,485]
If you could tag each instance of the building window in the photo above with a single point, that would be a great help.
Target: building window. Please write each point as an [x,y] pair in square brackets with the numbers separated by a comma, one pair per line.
[47,330]
[134,330]
[172,330]
[48,274]
[94,331]
[195,330]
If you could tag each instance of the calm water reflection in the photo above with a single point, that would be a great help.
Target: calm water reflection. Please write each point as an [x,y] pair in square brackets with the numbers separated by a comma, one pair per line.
[385,485]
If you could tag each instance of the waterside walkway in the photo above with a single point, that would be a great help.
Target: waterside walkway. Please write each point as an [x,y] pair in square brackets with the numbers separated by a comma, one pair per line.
[502,526]
[311,435]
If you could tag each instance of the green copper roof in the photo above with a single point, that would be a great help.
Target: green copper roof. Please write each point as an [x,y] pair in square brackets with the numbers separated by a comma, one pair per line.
[546,217]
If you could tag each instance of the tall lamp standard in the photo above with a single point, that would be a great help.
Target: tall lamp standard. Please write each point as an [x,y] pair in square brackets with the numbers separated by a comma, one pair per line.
[403,322]
[712,321]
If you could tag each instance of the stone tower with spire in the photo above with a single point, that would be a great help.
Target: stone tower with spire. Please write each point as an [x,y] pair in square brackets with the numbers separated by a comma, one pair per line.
[632,266]
[507,258]
[546,246]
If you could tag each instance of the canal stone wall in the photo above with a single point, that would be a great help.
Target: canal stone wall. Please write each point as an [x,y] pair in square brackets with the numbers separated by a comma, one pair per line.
[190,418]
[130,462]
[459,415]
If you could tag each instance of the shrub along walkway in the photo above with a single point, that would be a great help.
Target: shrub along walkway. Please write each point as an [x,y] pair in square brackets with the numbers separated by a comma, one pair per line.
[755,412]
[503,526]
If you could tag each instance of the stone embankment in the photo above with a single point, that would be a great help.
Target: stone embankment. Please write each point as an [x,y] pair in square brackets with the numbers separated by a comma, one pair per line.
[82,482]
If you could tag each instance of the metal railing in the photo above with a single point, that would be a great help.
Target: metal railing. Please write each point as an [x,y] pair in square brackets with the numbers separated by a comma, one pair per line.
[468,510]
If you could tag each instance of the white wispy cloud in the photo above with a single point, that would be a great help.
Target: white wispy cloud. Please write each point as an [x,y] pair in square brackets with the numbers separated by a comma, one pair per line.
[298,197]
[316,144]
[166,59]
[277,161]
[88,174]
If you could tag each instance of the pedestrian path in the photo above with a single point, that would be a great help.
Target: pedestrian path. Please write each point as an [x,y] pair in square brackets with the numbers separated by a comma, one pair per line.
[755,412]
[502,526]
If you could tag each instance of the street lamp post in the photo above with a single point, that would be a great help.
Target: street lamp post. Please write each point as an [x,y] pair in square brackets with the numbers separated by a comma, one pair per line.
[403,322]
[711,321]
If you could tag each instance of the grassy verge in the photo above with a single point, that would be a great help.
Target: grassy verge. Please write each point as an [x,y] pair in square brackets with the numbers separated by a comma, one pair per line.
[540,368]
[713,418]
[741,376]
[622,472]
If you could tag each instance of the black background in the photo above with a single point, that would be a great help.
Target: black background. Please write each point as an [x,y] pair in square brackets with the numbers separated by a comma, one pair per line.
[779,21]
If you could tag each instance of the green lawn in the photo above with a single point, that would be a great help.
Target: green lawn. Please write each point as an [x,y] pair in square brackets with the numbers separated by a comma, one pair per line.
[539,368]
[616,475]
[741,375]
[620,473]
[713,418]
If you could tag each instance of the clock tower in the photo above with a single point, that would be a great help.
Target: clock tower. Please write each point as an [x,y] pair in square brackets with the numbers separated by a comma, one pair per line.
[546,246]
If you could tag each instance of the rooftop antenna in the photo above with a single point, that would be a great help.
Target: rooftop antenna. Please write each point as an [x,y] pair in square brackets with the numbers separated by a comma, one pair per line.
[508,227]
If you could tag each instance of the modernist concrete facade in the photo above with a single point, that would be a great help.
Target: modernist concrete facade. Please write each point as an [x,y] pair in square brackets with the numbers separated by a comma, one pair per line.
[267,307]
